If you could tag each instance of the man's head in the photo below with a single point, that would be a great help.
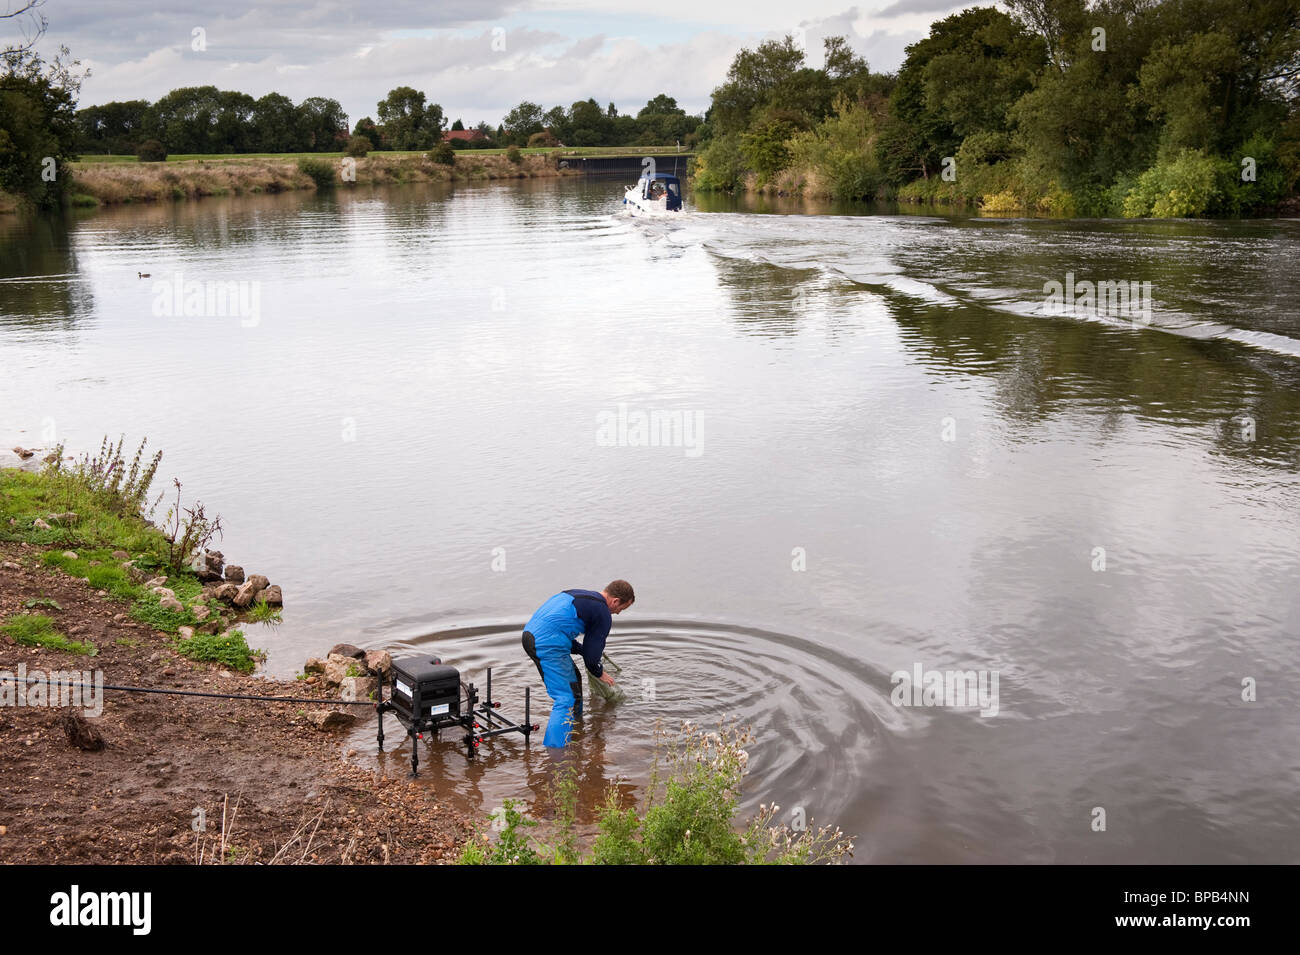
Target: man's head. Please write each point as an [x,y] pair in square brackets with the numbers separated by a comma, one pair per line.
[618,596]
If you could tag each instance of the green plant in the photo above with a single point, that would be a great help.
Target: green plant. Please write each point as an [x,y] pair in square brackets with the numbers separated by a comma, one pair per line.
[106,477]
[37,630]
[514,155]
[262,612]
[444,154]
[319,171]
[228,649]
[42,602]
[188,530]
[512,847]
[151,150]
[359,146]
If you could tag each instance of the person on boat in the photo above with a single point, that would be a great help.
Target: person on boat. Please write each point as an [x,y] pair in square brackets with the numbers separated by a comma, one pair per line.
[550,641]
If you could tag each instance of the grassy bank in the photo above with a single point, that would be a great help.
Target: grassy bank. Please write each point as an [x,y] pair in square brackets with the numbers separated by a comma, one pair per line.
[77,521]
[97,181]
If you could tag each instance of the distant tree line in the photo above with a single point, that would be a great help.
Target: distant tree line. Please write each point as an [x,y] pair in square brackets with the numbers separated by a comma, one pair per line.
[204,119]
[1117,107]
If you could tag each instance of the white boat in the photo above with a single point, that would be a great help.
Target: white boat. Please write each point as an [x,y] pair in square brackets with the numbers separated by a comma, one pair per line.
[654,195]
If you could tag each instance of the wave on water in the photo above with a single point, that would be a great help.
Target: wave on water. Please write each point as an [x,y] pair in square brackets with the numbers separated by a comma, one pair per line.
[892,255]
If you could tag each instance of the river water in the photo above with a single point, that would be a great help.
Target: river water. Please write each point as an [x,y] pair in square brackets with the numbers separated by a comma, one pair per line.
[873,449]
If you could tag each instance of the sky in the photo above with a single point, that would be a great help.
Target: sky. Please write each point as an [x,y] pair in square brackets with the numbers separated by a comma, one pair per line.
[477,58]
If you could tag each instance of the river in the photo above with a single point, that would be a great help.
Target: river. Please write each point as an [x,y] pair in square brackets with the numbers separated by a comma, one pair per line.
[832,453]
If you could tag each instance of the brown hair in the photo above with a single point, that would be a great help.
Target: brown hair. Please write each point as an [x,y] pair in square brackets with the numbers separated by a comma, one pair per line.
[621,590]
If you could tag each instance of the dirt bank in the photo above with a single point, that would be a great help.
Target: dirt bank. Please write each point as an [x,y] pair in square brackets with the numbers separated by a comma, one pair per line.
[134,801]
[110,183]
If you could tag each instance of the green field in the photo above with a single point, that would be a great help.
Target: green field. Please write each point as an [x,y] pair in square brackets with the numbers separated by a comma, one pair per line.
[573,151]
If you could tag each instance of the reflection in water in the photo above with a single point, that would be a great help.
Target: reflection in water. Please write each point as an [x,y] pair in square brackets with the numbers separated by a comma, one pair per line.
[903,461]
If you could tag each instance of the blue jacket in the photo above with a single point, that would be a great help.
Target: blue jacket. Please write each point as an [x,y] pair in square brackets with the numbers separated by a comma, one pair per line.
[570,614]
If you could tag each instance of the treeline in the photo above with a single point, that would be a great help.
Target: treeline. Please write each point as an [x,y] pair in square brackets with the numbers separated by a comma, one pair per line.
[204,119]
[1120,107]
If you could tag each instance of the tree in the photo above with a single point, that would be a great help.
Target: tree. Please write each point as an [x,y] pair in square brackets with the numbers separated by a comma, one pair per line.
[521,122]
[408,121]
[114,129]
[458,125]
[753,75]
[322,124]
[38,117]
[275,126]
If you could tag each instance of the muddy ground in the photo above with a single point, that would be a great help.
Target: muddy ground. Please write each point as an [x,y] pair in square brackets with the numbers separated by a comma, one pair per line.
[299,799]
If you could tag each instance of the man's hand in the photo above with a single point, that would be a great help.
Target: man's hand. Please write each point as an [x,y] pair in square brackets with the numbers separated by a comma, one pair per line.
[606,678]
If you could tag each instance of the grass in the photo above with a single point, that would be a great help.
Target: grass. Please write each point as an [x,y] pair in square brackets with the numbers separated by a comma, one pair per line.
[107,523]
[37,630]
[228,649]
[262,612]
[461,153]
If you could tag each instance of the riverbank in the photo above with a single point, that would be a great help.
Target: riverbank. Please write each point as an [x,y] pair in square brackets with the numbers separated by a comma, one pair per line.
[114,183]
[147,777]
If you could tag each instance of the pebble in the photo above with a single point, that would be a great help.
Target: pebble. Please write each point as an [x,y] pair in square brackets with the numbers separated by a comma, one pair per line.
[10,565]
[70,554]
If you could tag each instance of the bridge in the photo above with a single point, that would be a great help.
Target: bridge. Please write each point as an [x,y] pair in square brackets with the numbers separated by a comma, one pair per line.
[630,166]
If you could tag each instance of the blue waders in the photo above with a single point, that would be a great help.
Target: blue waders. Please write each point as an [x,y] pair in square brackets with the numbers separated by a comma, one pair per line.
[553,655]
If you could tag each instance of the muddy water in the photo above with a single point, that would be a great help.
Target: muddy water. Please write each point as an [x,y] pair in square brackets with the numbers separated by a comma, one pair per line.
[882,455]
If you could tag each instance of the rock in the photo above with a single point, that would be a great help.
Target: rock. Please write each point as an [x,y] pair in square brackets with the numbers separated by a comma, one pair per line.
[249,590]
[338,668]
[185,633]
[171,603]
[120,618]
[153,582]
[70,554]
[10,565]
[331,719]
[66,519]
[272,596]
[163,592]
[81,733]
[209,626]
[225,592]
[121,555]
[50,458]
[226,674]
[135,573]
[208,565]
[314,665]
[23,452]
[235,574]
[347,650]
[379,661]
[353,688]
[200,613]
[40,525]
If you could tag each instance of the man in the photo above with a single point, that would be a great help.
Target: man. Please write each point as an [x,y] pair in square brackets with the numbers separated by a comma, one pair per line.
[549,640]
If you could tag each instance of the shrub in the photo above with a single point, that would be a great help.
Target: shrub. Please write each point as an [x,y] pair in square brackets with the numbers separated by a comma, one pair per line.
[358,146]
[151,150]
[443,154]
[320,171]
[690,806]
[1181,187]
[720,167]
[841,152]
[105,477]
[514,155]
[543,140]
